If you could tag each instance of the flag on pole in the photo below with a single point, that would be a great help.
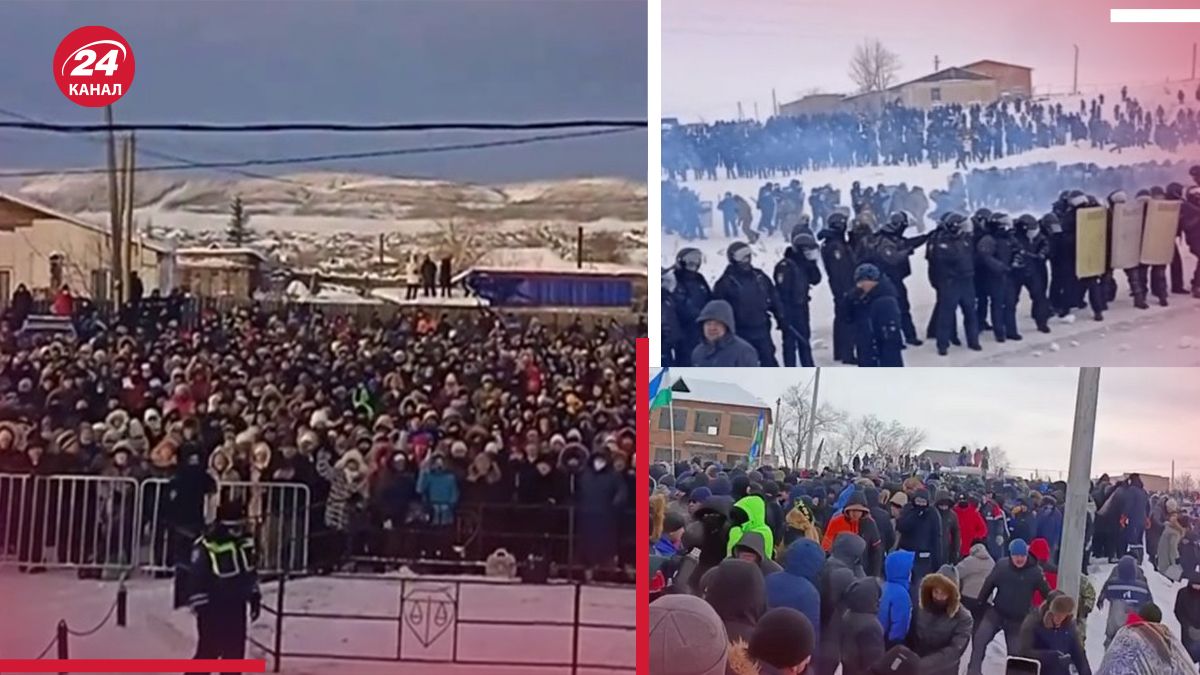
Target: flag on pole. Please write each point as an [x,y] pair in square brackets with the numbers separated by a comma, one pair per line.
[660,395]
[756,446]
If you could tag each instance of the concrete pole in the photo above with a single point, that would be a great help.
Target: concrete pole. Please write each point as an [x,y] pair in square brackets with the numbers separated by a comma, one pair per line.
[1075,81]
[114,212]
[1070,561]
[812,416]
[740,111]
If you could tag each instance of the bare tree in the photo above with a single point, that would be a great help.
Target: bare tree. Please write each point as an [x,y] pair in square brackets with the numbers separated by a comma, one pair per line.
[793,422]
[885,439]
[873,66]
[1185,483]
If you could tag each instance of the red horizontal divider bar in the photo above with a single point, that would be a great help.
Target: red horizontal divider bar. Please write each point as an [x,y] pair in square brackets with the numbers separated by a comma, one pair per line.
[132,666]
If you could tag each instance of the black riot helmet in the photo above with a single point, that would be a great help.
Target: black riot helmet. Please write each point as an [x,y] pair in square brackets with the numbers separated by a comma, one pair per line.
[953,222]
[837,222]
[689,259]
[1000,222]
[739,253]
[897,222]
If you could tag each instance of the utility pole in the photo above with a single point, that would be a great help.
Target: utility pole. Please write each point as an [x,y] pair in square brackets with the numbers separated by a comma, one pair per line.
[739,110]
[756,111]
[812,415]
[1079,483]
[114,213]
[579,248]
[775,102]
[1075,81]
[1172,487]
[775,449]
[128,229]
[937,63]
[381,235]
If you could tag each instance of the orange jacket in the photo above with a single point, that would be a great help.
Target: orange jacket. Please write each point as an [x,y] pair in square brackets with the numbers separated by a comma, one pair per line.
[839,524]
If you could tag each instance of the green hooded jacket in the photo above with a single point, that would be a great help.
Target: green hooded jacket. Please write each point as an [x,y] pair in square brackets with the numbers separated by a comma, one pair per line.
[756,510]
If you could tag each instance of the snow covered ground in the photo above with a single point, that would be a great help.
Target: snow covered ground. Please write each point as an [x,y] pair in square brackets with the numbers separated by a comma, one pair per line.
[1158,336]
[35,604]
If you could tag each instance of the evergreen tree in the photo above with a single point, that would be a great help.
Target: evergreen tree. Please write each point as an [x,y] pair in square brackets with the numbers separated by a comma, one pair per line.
[239,223]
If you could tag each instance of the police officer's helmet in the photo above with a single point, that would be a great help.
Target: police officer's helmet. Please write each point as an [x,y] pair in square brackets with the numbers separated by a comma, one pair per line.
[803,239]
[981,216]
[1000,222]
[1117,197]
[897,222]
[739,253]
[689,259]
[953,221]
[837,222]
[1025,222]
[1175,191]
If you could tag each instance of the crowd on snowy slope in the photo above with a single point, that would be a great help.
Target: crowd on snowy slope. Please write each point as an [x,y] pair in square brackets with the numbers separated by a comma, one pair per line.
[897,135]
[399,429]
[977,267]
[885,570]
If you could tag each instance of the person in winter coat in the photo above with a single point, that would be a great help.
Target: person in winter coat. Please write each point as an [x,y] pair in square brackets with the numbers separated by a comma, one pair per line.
[882,518]
[1014,580]
[997,526]
[1050,524]
[429,277]
[781,644]
[800,524]
[736,591]
[951,533]
[838,258]
[875,313]
[691,295]
[1126,591]
[841,570]
[750,548]
[1146,647]
[973,570]
[711,529]
[1024,523]
[848,520]
[1050,636]
[796,586]
[749,515]
[795,274]
[754,300]
[971,526]
[1040,550]
[1187,611]
[861,635]
[920,530]
[896,609]
[1189,550]
[1136,509]
[941,628]
[686,637]
[1168,542]
[721,347]
[600,496]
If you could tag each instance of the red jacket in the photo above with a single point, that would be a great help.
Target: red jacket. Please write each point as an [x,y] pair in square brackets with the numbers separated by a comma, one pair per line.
[1040,548]
[971,528]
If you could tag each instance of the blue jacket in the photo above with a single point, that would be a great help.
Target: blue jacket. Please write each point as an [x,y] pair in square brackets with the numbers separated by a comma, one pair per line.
[1050,526]
[895,608]
[796,586]
[664,547]
[439,490]
[843,498]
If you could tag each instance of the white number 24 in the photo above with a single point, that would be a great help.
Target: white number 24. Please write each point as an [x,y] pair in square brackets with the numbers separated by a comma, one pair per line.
[107,63]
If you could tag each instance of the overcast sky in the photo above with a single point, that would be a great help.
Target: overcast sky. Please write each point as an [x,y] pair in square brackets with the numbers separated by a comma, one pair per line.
[716,53]
[1142,421]
[348,61]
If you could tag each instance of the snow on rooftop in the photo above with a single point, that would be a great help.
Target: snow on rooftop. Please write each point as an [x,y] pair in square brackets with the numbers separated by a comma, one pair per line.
[687,388]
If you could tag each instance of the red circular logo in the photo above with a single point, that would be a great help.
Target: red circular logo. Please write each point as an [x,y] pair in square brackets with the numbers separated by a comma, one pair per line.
[93,66]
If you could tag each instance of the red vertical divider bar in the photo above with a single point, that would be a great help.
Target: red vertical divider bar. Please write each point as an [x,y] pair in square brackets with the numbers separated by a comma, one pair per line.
[643,505]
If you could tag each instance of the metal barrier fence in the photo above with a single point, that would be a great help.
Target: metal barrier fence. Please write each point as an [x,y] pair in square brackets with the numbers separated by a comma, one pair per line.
[84,522]
[429,625]
[277,513]
[104,523]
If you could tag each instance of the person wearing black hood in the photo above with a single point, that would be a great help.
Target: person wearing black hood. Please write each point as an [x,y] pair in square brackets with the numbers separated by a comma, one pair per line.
[838,258]
[187,491]
[997,253]
[861,633]
[1024,521]
[919,529]
[841,570]
[882,518]
[736,590]
[952,266]
[601,496]
[1136,508]
[795,274]
[1187,611]
[711,528]
[774,515]
[875,313]
[951,538]
[752,549]
[754,300]
[690,296]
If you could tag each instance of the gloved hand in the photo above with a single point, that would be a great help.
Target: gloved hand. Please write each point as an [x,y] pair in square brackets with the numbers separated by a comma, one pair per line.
[255,607]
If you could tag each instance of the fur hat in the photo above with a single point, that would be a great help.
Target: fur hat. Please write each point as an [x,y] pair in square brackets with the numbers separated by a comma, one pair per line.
[351,456]
[501,564]
[946,585]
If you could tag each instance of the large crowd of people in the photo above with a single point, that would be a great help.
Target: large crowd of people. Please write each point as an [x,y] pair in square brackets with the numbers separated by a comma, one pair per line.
[417,437]
[979,266]
[910,568]
[897,135]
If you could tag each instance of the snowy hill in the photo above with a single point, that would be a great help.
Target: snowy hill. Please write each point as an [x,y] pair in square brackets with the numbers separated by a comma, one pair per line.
[184,202]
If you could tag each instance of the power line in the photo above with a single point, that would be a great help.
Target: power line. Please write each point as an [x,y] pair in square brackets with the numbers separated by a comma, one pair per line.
[272,127]
[185,164]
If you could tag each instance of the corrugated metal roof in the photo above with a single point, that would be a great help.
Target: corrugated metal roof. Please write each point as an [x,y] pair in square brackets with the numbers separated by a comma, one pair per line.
[998,63]
[687,388]
[58,215]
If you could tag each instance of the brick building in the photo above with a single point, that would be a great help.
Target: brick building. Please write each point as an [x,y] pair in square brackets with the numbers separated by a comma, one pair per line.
[713,421]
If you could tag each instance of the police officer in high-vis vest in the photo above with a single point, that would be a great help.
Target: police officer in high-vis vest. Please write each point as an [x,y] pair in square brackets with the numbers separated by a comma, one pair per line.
[223,580]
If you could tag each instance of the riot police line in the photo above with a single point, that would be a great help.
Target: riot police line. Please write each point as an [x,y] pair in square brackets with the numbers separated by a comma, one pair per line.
[100,524]
[979,267]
